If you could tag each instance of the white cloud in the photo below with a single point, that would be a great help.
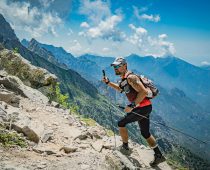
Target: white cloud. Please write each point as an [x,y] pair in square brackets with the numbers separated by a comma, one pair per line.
[70,32]
[46,3]
[105,49]
[102,23]
[84,25]
[137,10]
[160,46]
[95,10]
[162,36]
[137,13]
[76,47]
[139,37]
[154,18]
[106,29]
[148,45]
[33,20]
[205,63]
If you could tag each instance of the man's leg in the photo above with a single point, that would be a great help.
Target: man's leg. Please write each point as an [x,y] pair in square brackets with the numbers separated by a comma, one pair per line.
[130,117]
[151,141]
[144,125]
[124,134]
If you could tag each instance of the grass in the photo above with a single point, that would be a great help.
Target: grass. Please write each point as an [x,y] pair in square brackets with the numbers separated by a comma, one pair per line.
[88,121]
[109,132]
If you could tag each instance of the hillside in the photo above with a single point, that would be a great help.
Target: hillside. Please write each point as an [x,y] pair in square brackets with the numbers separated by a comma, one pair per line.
[50,137]
[82,95]
[169,105]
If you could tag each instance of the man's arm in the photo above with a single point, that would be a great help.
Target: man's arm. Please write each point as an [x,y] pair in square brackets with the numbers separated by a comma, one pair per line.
[135,82]
[113,85]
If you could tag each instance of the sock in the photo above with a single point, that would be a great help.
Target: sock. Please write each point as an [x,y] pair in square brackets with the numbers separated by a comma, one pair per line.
[125,145]
[157,150]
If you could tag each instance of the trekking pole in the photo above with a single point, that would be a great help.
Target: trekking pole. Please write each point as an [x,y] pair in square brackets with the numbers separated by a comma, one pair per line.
[158,123]
[112,127]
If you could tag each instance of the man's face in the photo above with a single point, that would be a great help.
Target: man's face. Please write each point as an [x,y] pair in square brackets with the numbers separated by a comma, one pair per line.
[119,69]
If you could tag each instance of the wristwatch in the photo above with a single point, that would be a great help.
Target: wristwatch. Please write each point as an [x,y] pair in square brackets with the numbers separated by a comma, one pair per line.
[133,104]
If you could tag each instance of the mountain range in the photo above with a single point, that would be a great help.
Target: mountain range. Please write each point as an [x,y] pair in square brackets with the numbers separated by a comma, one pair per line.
[180,74]
[83,96]
[175,106]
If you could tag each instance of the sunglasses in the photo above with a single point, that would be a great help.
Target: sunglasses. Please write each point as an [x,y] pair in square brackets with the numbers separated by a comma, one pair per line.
[117,66]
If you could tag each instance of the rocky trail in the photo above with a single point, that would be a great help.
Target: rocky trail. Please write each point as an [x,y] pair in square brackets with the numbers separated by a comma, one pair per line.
[65,142]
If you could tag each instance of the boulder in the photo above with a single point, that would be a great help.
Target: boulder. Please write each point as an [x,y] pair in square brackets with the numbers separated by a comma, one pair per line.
[32,129]
[32,76]
[13,84]
[9,97]
[119,161]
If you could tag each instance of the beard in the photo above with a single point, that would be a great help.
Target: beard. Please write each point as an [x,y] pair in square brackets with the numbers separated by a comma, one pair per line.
[117,73]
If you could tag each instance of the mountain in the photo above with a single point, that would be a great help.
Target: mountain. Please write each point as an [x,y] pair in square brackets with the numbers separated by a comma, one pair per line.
[177,103]
[83,96]
[25,43]
[6,31]
[82,66]
[68,77]
[81,92]
[61,133]
[103,62]
[32,127]
[172,104]
[179,73]
[42,52]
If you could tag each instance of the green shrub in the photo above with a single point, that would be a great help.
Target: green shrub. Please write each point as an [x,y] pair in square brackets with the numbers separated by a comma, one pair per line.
[74,108]
[56,95]
[9,139]
[16,50]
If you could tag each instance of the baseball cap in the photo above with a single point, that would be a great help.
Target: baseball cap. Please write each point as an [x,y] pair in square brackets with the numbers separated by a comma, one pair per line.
[118,61]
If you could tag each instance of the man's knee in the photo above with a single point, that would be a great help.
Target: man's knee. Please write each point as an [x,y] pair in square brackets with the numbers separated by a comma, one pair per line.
[145,134]
[121,123]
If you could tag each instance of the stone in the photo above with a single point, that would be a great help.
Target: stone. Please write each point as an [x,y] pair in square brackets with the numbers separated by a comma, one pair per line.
[30,128]
[9,97]
[68,149]
[119,161]
[97,145]
[47,135]
[55,104]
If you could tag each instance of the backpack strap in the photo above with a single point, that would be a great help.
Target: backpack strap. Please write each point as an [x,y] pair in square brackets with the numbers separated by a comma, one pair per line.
[127,74]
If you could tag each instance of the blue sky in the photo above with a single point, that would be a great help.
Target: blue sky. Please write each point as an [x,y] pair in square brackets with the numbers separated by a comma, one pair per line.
[116,27]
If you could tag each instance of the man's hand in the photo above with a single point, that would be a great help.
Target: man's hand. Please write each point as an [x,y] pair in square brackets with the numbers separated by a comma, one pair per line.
[128,109]
[105,80]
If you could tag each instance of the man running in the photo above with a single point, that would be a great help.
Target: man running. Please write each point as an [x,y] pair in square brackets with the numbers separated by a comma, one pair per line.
[136,93]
